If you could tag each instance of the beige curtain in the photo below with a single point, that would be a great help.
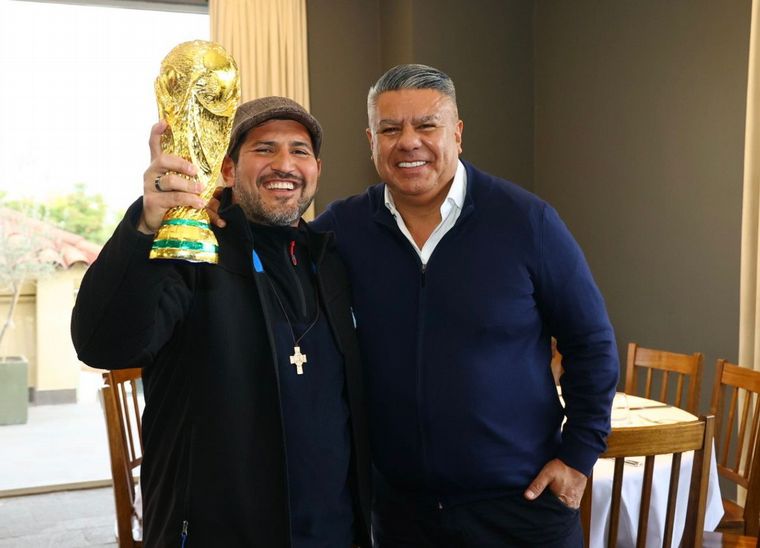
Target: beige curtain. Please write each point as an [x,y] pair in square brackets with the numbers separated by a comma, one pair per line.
[749,305]
[268,39]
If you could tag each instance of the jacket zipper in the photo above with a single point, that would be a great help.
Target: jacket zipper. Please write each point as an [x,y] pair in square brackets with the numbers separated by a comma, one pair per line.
[392,225]
[183,536]
[426,468]
[290,257]
[420,377]
[186,505]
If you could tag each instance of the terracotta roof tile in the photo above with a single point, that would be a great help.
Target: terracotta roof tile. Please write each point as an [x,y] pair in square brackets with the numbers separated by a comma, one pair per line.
[57,245]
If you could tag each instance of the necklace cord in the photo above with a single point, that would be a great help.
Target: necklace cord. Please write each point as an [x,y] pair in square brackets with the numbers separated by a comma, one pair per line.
[287,319]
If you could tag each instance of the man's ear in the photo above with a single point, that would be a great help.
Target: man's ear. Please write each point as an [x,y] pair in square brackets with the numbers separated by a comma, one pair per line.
[369,138]
[228,171]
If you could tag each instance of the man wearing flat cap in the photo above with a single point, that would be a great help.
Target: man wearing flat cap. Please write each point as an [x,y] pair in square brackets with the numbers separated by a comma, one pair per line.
[254,428]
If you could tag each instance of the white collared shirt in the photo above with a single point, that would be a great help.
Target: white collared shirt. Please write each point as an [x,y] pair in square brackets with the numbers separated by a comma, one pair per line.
[451,208]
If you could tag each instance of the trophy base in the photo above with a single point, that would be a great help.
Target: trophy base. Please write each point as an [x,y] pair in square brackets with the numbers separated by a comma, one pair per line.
[178,253]
[186,240]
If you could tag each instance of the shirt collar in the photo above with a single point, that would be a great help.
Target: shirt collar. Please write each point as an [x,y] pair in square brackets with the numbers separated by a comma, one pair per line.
[455,197]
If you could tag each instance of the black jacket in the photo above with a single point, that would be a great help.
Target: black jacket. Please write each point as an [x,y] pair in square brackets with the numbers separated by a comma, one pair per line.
[212,426]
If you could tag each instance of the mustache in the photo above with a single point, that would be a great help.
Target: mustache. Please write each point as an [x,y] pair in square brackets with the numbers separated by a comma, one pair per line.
[280,175]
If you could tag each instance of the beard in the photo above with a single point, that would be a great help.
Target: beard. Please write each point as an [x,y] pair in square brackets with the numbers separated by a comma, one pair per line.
[277,214]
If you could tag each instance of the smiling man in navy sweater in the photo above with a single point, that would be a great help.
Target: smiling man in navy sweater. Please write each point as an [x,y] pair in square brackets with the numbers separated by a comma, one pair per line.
[459,281]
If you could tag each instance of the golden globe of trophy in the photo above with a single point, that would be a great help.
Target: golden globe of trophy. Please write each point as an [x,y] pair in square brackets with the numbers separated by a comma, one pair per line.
[198,91]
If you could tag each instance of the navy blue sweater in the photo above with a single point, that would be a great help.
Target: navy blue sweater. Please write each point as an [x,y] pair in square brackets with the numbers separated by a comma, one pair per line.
[462,400]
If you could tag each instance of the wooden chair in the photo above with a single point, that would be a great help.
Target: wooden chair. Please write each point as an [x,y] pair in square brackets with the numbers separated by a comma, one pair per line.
[736,406]
[665,364]
[124,426]
[716,539]
[649,441]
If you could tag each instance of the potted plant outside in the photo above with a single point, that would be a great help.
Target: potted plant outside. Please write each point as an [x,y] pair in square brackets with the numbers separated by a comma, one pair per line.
[21,261]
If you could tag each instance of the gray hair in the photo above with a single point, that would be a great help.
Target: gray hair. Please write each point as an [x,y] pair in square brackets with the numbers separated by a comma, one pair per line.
[411,77]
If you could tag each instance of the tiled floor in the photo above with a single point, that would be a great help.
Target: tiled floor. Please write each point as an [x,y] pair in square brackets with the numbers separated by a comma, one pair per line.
[59,445]
[69,519]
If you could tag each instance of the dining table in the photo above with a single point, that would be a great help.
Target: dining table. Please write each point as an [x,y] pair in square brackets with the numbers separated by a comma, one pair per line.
[629,411]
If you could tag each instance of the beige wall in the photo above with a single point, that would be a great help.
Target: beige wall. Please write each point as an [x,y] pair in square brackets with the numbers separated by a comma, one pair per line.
[41,331]
[486,46]
[57,364]
[639,144]
[344,59]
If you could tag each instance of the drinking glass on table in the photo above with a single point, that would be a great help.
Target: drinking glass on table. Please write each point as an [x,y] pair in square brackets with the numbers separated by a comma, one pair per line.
[620,411]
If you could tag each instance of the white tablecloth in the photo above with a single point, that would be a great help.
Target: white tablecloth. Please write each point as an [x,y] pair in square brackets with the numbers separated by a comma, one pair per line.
[643,412]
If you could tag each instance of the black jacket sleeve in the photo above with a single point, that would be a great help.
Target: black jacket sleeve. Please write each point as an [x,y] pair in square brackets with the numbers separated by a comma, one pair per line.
[128,305]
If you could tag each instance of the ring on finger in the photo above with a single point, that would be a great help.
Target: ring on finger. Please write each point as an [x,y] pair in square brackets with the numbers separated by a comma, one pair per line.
[157,183]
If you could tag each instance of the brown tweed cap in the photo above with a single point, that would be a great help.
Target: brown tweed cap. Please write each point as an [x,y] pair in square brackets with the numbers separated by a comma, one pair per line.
[253,113]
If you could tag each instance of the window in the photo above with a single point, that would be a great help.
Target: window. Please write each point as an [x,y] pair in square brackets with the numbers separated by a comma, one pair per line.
[76,107]
[76,100]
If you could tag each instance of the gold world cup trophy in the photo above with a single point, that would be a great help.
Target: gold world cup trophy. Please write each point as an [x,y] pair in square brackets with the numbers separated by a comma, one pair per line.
[198,91]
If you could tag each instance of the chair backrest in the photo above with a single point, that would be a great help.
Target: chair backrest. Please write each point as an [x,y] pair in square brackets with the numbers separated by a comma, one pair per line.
[649,441]
[663,364]
[124,425]
[736,406]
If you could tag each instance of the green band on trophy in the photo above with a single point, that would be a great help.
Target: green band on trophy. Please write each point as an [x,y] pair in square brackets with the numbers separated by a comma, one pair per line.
[184,244]
[186,222]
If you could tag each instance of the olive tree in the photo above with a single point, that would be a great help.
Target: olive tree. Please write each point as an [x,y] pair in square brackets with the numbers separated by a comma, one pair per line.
[22,259]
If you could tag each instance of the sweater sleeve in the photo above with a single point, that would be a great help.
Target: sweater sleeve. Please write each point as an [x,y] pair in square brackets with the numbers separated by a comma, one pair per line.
[575,312]
[128,305]
[326,222]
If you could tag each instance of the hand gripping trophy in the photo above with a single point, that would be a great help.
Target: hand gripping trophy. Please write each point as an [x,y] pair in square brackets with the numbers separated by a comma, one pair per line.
[198,91]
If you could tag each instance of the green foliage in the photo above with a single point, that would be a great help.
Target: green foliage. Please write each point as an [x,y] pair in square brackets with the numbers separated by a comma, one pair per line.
[20,261]
[78,211]
[19,256]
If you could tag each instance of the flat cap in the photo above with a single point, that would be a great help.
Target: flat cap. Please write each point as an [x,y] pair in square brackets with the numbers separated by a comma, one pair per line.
[253,113]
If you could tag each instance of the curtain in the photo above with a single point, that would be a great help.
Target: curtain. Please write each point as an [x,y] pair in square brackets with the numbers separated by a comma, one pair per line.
[268,39]
[749,305]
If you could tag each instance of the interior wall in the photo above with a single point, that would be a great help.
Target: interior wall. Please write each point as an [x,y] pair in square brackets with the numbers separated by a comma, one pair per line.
[639,124]
[485,46]
[344,60]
